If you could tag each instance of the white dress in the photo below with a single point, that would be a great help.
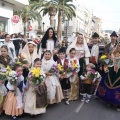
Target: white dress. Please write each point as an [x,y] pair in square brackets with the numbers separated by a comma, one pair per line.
[54,91]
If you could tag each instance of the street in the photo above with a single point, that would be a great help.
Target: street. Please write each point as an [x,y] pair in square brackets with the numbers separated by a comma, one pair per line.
[95,110]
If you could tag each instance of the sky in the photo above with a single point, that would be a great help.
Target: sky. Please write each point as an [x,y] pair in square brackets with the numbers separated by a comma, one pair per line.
[108,10]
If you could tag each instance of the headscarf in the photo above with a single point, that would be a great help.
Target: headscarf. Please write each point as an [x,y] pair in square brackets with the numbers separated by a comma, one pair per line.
[73,44]
[26,54]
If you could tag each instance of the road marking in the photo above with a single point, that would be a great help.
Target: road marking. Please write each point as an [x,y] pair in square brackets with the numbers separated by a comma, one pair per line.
[79,107]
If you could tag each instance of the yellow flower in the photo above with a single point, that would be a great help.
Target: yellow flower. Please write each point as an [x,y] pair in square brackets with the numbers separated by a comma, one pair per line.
[8,70]
[103,57]
[60,67]
[74,64]
[36,72]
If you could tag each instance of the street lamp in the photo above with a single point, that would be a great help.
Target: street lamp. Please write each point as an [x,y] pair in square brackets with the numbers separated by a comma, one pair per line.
[43,26]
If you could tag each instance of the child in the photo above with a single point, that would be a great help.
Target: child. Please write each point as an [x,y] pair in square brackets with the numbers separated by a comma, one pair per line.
[36,101]
[90,80]
[13,104]
[74,80]
[54,91]
[64,80]
[3,92]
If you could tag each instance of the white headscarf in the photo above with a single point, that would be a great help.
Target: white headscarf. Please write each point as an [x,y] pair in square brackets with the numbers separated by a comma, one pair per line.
[26,54]
[73,44]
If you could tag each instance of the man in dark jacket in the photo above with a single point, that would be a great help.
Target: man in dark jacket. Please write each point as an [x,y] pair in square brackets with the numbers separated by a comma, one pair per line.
[110,47]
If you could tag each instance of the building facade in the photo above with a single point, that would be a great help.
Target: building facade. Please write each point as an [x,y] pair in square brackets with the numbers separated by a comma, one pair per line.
[7,7]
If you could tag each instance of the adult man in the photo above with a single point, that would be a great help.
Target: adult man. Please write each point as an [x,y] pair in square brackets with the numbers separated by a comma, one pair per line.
[110,47]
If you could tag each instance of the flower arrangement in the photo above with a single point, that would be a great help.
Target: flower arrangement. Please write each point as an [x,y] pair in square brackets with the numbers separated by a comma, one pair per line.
[60,69]
[37,76]
[91,75]
[54,69]
[21,61]
[13,78]
[3,76]
[105,60]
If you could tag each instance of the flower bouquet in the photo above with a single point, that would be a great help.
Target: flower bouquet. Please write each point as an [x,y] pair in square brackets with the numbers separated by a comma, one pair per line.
[91,75]
[54,69]
[13,78]
[60,69]
[21,61]
[3,76]
[37,76]
[104,60]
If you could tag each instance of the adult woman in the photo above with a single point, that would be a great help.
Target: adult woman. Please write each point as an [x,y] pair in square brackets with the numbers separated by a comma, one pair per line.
[82,51]
[109,87]
[10,46]
[49,42]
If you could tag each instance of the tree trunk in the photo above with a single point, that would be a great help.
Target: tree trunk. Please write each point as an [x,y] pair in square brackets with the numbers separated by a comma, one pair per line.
[52,21]
[59,27]
[24,30]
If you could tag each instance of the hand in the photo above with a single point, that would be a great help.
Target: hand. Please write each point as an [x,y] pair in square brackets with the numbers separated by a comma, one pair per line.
[26,66]
[15,87]
[48,74]
[26,88]
[61,77]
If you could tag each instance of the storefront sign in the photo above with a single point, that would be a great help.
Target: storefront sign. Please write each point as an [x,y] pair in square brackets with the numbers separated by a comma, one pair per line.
[15,19]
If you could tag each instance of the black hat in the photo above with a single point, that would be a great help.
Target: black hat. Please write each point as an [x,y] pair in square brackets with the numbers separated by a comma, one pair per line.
[113,34]
[62,50]
[95,35]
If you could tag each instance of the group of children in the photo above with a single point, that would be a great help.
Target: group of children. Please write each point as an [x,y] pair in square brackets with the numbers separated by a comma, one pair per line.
[53,89]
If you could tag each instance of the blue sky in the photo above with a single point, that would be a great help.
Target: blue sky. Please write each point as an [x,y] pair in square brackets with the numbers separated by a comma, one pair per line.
[108,10]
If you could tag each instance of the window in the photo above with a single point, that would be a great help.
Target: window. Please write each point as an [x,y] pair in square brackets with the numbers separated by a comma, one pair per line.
[3,24]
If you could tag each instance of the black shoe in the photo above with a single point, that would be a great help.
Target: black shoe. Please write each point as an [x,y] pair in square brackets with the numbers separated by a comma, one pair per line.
[14,118]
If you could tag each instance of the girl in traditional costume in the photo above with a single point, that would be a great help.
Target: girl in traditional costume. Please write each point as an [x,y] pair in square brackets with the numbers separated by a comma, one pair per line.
[64,78]
[82,51]
[54,91]
[29,52]
[5,60]
[36,96]
[74,79]
[109,87]
[49,42]
[13,104]
[10,46]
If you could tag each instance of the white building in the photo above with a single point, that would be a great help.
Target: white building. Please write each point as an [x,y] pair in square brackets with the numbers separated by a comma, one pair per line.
[6,13]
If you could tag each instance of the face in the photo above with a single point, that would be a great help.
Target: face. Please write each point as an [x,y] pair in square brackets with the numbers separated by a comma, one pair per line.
[19,70]
[50,33]
[62,55]
[88,68]
[95,40]
[4,52]
[72,54]
[47,56]
[38,64]
[113,39]
[7,39]
[31,48]
[80,39]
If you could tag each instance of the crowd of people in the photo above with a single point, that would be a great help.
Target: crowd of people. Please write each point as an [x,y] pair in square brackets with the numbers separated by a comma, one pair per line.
[67,72]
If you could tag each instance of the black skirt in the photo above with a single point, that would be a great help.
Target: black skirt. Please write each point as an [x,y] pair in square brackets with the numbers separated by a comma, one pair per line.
[65,83]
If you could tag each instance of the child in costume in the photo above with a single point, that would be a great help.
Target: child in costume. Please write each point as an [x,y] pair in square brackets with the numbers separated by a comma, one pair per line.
[74,79]
[54,91]
[89,81]
[3,92]
[36,96]
[64,79]
[13,104]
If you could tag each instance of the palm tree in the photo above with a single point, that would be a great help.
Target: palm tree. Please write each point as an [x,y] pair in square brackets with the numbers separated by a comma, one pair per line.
[28,13]
[64,9]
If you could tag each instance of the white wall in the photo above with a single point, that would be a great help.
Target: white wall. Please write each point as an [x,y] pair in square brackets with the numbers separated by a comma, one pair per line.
[7,12]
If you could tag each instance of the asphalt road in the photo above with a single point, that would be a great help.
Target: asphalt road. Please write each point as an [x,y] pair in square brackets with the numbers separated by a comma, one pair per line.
[95,110]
